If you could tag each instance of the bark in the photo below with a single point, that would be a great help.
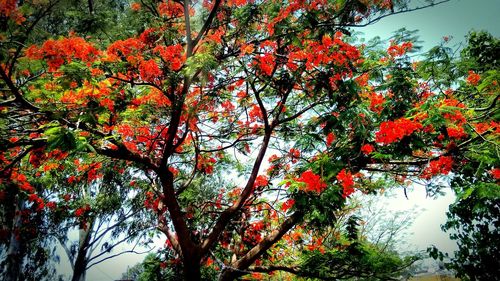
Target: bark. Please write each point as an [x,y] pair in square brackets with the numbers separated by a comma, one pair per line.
[15,251]
[192,269]
[239,267]
[81,262]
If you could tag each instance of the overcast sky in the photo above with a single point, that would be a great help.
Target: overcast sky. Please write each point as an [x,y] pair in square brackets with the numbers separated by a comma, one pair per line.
[455,18]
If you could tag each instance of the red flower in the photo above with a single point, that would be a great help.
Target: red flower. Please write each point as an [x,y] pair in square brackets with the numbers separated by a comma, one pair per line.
[261,181]
[135,6]
[495,173]
[367,149]
[441,166]
[392,131]
[266,63]
[287,205]
[347,182]
[399,50]
[456,133]
[79,212]
[51,205]
[259,225]
[33,197]
[313,182]
[473,78]
[255,113]
[376,102]
[330,138]
[149,70]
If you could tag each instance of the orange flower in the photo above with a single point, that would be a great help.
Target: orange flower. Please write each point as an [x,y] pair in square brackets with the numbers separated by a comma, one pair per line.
[473,78]
[392,131]
[135,6]
[367,149]
[347,182]
[313,182]
[330,138]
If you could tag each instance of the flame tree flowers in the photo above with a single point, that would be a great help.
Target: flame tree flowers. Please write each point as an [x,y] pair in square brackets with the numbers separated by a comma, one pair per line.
[188,109]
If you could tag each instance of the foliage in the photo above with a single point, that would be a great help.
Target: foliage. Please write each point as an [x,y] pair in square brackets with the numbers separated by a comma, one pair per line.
[474,218]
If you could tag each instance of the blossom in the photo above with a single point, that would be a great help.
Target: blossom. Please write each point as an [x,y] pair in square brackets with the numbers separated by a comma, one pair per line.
[330,138]
[443,166]
[456,133]
[347,182]
[399,50]
[149,70]
[57,52]
[287,205]
[266,63]
[135,6]
[367,148]
[376,102]
[392,131]
[473,78]
[261,180]
[495,173]
[312,181]
[125,48]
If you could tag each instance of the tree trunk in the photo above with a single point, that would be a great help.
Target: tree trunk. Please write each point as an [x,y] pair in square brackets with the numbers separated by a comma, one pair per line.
[192,270]
[80,266]
[79,270]
[15,251]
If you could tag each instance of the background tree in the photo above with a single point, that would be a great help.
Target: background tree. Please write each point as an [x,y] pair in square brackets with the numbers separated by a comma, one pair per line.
[474,218]
[200,99]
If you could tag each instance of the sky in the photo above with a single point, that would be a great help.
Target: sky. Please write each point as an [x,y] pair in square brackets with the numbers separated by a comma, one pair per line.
[455,18]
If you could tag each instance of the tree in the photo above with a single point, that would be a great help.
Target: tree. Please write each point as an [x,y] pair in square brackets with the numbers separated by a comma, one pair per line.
[196,103]
[474,219]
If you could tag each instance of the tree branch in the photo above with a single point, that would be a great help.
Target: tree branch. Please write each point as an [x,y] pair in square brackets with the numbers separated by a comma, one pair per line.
[207,23]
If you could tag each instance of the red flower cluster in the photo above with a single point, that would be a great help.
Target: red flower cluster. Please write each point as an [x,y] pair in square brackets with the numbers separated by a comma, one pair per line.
[135,6]
[8,8]
[456,133]
[392,131]
[376,102]
[22,182]
[328,51]
[347,182]
[313,182]
[124,48]
[37,201]
[287,205]
[495,173]
[80,212]
[153,203]
[57,52]
[255,113]
[473,78]
[261,180]
[149,70]
[330,138]
[441,166]
[367,148]
[170,9]
[206,164]
[266,63]
[399,50]
[172,55]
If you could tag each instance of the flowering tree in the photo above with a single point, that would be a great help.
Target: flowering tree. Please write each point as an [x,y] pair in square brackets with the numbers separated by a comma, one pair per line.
[474,218]
[240,122]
